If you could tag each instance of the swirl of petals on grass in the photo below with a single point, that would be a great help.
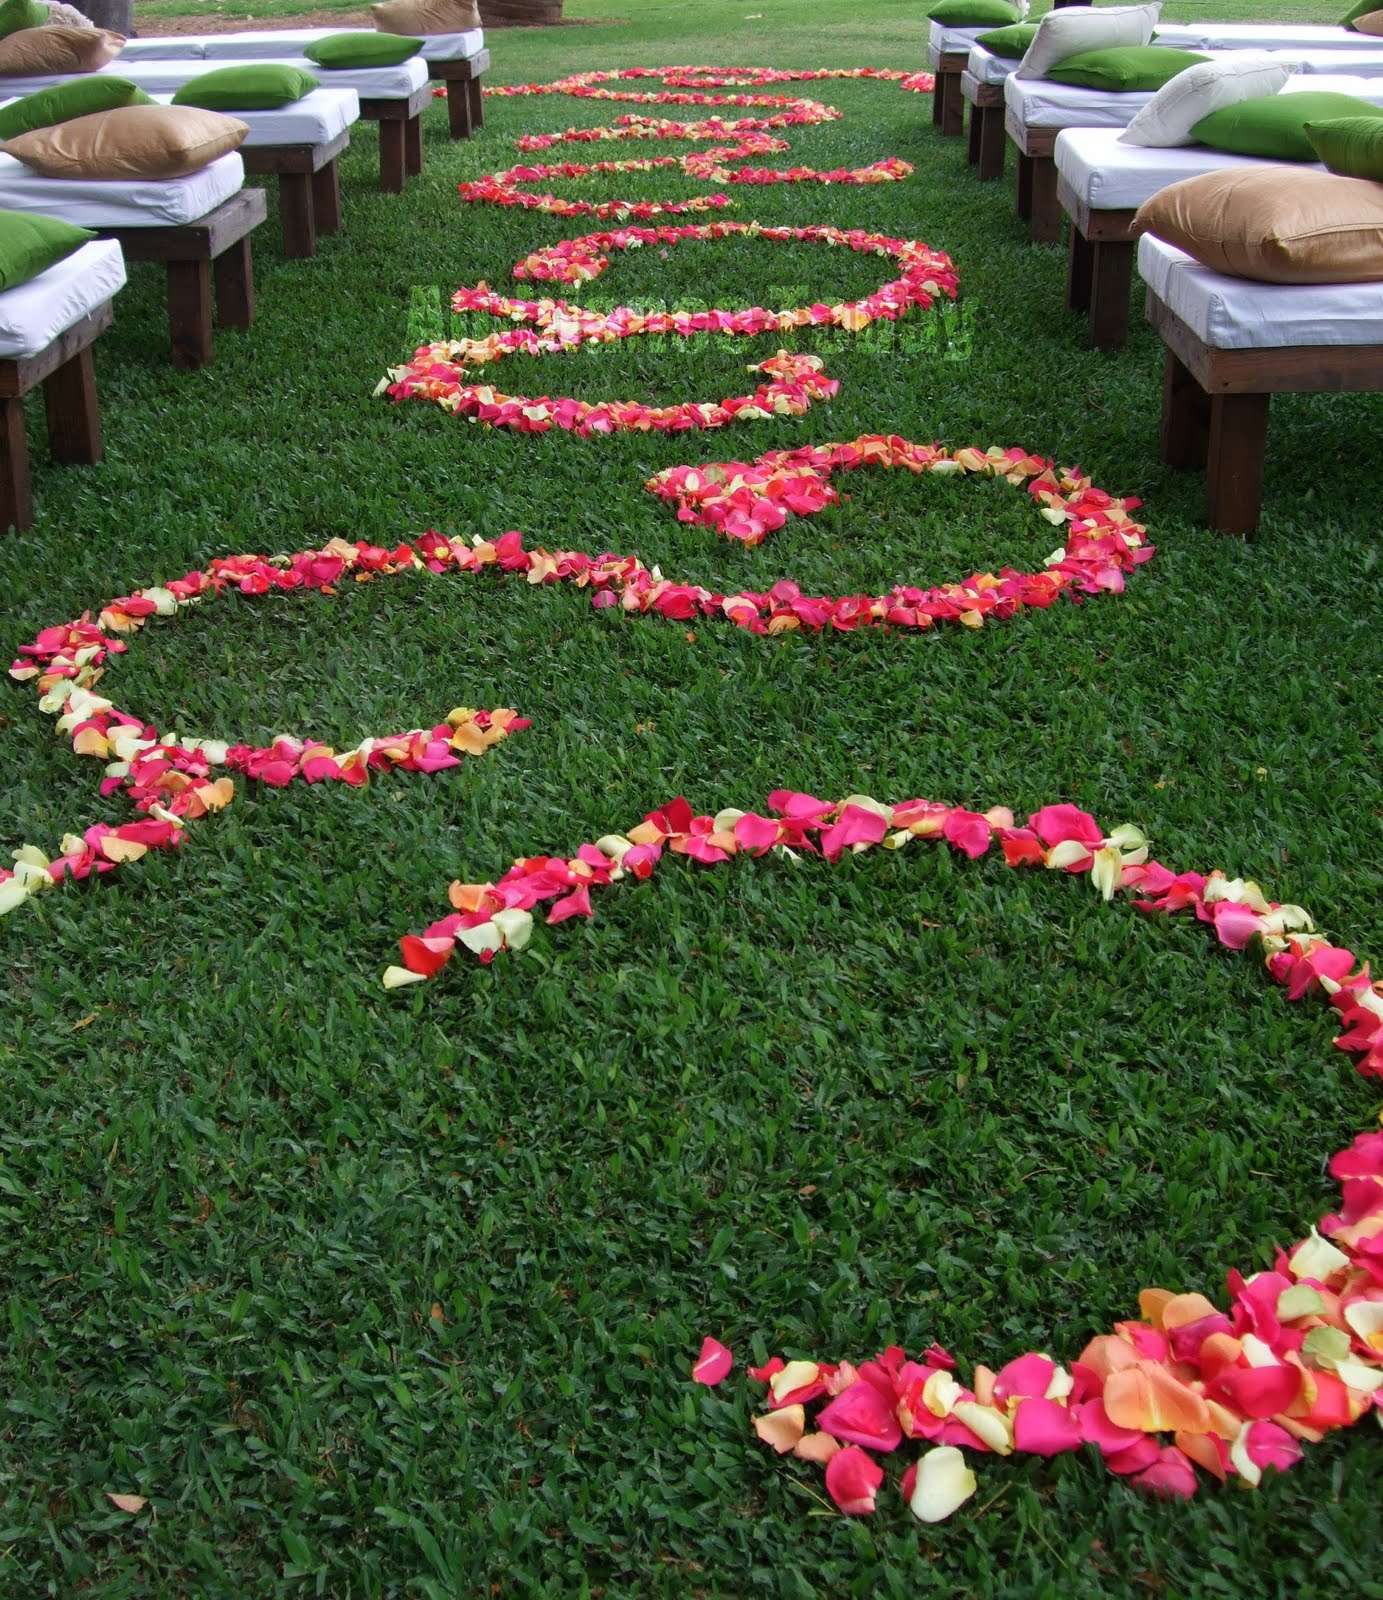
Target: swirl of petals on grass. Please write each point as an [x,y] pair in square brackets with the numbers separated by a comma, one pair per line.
[710,166]
[169,778]
[1300,1351]
[441,372]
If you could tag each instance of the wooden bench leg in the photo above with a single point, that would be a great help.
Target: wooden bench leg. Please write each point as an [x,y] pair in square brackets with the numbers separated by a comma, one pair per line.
[326,197]
[1044,225]
[296,213]
[1022,193]
[1234,462]
[475,95]
[189,312]
[74,420]
[1079,266]
[235,285]
[413,146]
[1110,276]
[392,169]
[952,105]
[16,498]
[992,142]
[937,81]
[972,137]
[1185,416]
[460,121]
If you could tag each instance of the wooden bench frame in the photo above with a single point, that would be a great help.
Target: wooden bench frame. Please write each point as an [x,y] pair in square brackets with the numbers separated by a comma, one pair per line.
[309,189]
[1215,407]
[985,140]
[465,104]
[1036,182]
[217,244]
[400,135]
[68,377]
[1099,270]
[948,109]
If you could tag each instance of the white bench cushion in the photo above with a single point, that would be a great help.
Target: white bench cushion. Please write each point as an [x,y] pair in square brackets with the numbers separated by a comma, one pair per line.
[1266,36]
[274,44]
[1039,104]
[985,67]
[124,202]
[378,83]
[1109,175]
[315,119]
[952,41]
[1234,314]
[35,313]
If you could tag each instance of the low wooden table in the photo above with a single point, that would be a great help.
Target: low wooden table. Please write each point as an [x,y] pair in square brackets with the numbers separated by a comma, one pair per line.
[465,105]
[1215,407]
[309,189]
[1100,269]
[985,146]
[1036,194]
[69,396]
[217,244]
[400,136]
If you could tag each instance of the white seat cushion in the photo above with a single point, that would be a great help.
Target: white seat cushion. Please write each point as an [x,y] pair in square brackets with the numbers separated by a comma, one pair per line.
[1039,104]
[378,83]
[177,47]
[315,119]
[35,313]
[1109,175]
[275,44]
[1234,314]
[125,202]
[952,41]
[1267,36]
[984,67]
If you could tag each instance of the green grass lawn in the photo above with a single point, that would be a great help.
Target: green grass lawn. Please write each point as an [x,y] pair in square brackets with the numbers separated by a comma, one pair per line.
[397,1294]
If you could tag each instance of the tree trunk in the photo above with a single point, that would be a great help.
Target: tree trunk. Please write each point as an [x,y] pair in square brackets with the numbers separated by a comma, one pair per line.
[534,12]
[117,15]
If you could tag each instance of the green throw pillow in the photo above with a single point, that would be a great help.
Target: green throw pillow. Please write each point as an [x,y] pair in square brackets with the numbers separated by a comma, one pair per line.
[78,97]
[30,244]
[1361,9]
[1124,68]
[363,49]
[975,13]
[1273,126]
[1351,146]
[1012,42]
[256,86]
[17,14]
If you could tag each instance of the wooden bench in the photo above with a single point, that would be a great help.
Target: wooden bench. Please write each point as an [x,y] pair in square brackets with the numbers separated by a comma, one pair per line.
[1099,270]
[400,136]
[309,189]
[1035,195]
[1215,400]
[948,108]
[218,245]
[465,101]
[69,397]
[986,137]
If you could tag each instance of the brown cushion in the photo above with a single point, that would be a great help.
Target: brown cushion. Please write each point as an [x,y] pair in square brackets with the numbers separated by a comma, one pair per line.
[41,52]
[1314,227]
[420,17]
[130,142]
[1371,22]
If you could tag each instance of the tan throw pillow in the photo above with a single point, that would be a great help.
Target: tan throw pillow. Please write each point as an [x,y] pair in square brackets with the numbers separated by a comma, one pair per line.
[1371,23]
[130,142]
[55,52]
[417,18]
[1313,228]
